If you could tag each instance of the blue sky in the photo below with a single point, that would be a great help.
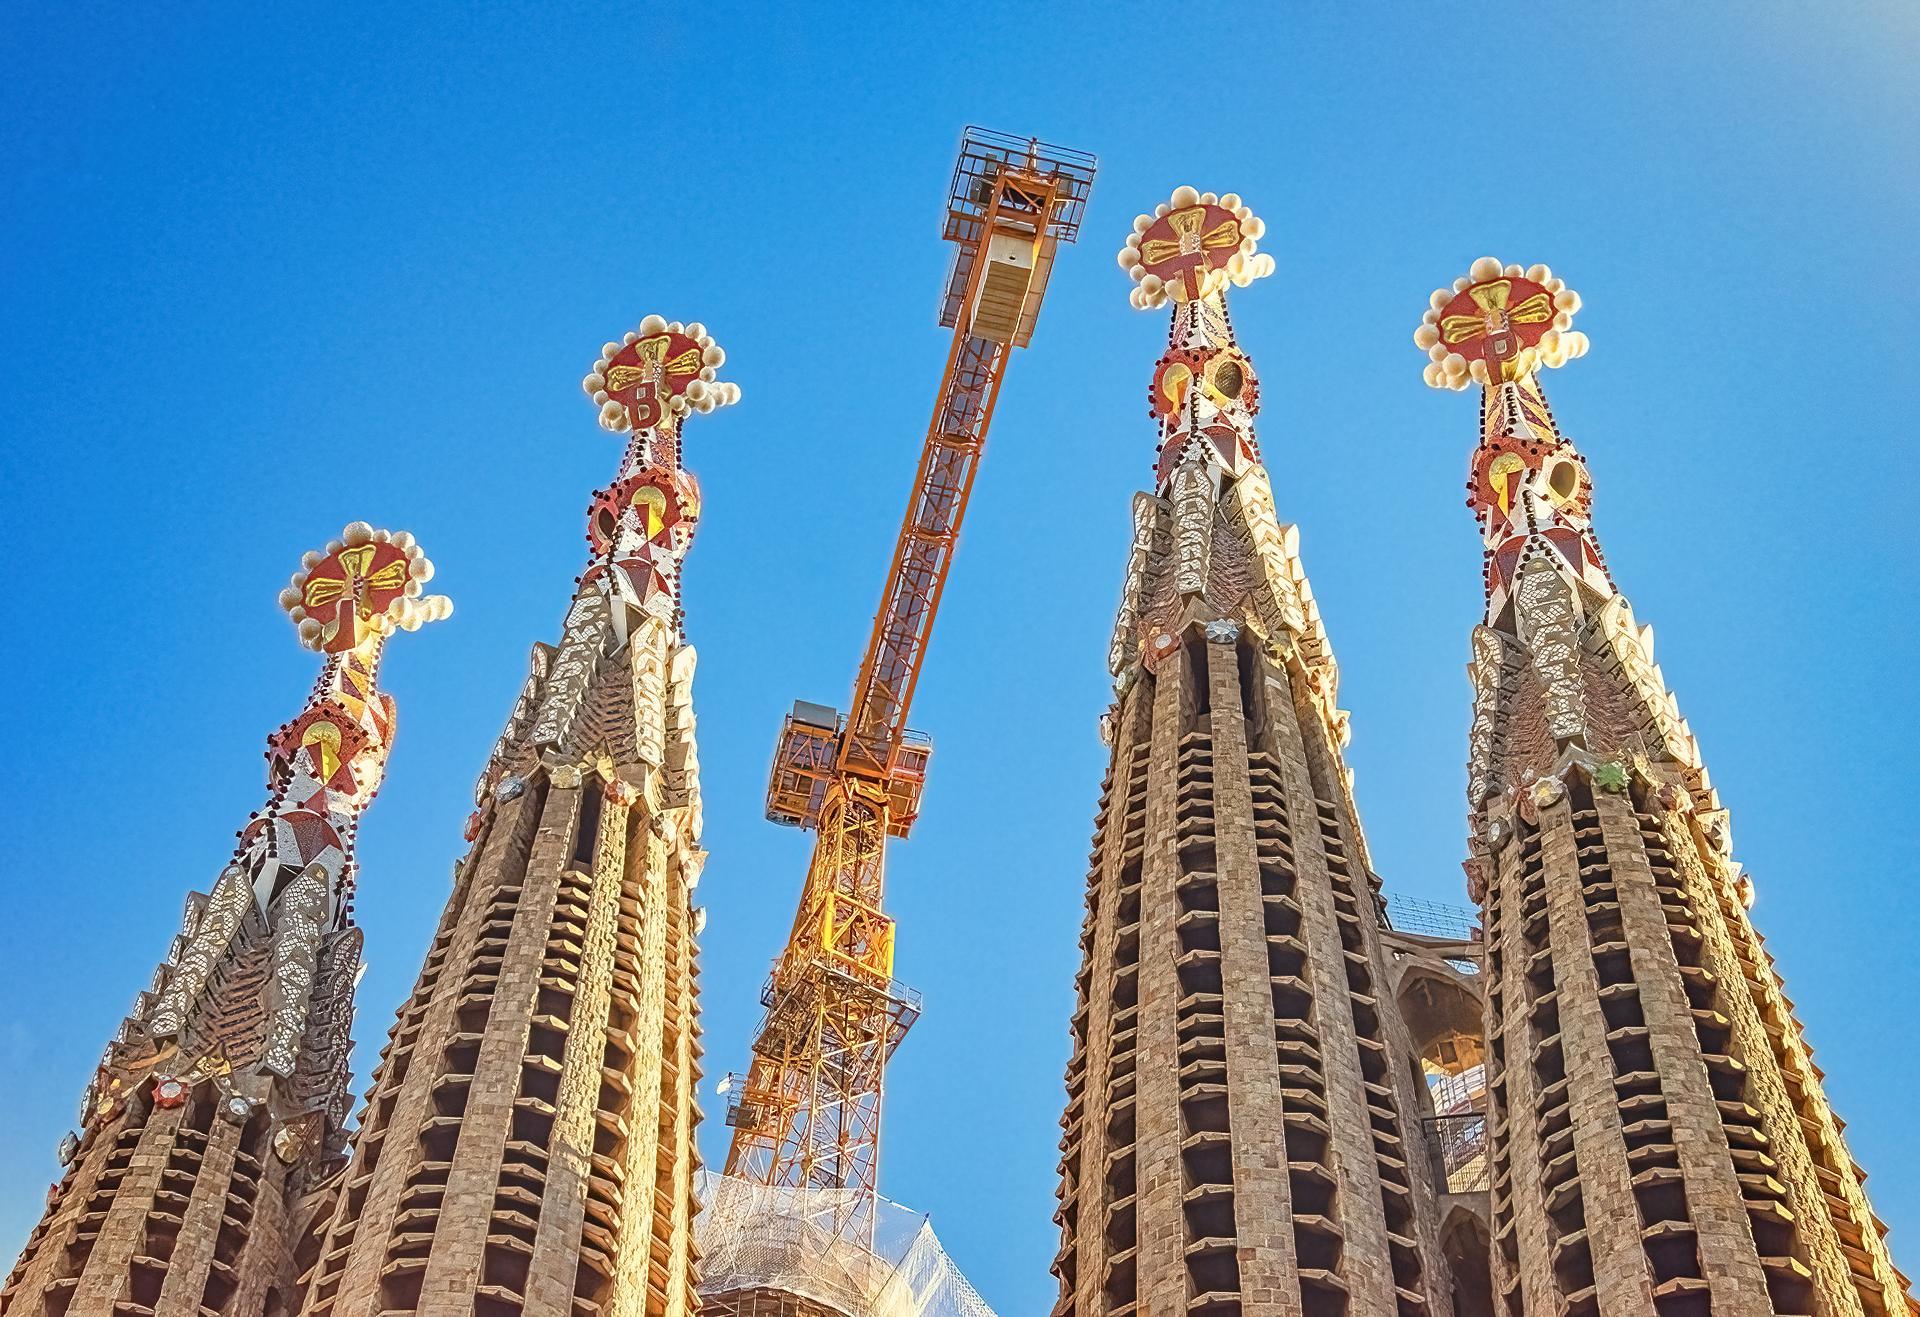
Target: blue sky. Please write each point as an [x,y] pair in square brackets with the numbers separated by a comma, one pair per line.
[273,270]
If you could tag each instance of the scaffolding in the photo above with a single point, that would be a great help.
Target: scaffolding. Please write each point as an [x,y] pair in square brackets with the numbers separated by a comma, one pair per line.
[779,1251]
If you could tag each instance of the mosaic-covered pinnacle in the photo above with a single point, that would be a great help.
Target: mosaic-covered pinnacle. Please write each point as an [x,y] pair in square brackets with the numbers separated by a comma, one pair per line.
[1191,247]
[1499,322]
[658,373]
[366,583]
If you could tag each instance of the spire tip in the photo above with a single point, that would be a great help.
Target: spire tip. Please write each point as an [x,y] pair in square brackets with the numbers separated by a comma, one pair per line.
[1498,322]
[1192,247]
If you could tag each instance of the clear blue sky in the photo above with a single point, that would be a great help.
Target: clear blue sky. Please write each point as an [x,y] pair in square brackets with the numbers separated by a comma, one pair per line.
[271,270]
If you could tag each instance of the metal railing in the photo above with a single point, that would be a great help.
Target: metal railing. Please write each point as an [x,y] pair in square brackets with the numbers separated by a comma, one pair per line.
[1458,1148]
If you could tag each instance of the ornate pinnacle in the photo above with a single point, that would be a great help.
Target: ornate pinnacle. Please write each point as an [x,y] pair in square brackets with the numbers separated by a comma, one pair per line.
[655,375]
[1497,324]
[1192,247]
[365,584]
[641,525]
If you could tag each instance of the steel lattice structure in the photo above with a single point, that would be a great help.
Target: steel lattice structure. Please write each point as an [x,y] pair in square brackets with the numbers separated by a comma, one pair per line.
[808,1112]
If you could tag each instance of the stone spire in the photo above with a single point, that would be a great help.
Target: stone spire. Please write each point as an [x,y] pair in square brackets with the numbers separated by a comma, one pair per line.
[527,1146]
[224,1094]
[1240,1130]
[1660,1139]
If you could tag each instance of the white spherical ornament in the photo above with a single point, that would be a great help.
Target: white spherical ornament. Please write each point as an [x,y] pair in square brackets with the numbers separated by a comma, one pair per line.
[1161,210]
[310,629]
[421,568]
[1184,196]
[1440,298]
[1128,257]
[1455,364]
[1461,285]
[289,598]
[1539,273]
[1514,272]
[614,416]
[1255,228]
[696,390]
[608,350]
[695,329]
[593,383]
[1434,376]
[1566,300]
[403,540]
[357,533]
[1426,337]
[1477,371]
[653,324]
[1438,352]
[715,355]
[1487,267]
[1230,200]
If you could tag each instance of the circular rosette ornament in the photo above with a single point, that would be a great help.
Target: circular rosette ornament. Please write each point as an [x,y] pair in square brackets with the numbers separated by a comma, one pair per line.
[1192,247]
[1498,323]
[652,503]
[659,372]
[366,583]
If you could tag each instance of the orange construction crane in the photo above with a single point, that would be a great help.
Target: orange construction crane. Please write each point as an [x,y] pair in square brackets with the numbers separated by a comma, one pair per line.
[808,1113]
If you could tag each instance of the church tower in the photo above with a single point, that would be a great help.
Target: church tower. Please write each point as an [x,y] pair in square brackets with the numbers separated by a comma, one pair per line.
[527,1146]
[1660,1141]
[1241,1131]
[223,1096]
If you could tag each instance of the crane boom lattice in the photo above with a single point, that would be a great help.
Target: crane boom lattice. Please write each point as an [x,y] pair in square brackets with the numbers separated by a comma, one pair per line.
[808,1112]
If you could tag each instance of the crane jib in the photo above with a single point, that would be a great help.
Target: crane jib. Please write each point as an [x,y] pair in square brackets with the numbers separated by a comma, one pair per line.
[808,1112]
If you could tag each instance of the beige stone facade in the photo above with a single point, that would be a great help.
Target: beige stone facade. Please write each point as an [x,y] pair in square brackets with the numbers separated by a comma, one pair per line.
[1242,1135]
[1660,1143]
[527,1144]
[222,1100]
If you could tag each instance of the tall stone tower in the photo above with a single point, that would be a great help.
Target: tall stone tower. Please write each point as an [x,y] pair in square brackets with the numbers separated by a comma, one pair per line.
[527,1146]
[1660,1142]
[1241,1123]
[224,1095]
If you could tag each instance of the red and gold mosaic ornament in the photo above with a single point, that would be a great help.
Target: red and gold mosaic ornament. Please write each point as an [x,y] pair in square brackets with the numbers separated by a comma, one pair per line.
[364,584]
[1499,322]
[1172,382]
[661,371]
[1192,247]
[658,501]
[329,741]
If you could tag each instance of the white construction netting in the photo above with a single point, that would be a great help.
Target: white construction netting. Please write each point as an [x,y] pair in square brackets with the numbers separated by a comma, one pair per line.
[755,1236]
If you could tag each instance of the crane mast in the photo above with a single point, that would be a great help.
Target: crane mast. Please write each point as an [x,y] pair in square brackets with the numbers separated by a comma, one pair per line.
[808,1112]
